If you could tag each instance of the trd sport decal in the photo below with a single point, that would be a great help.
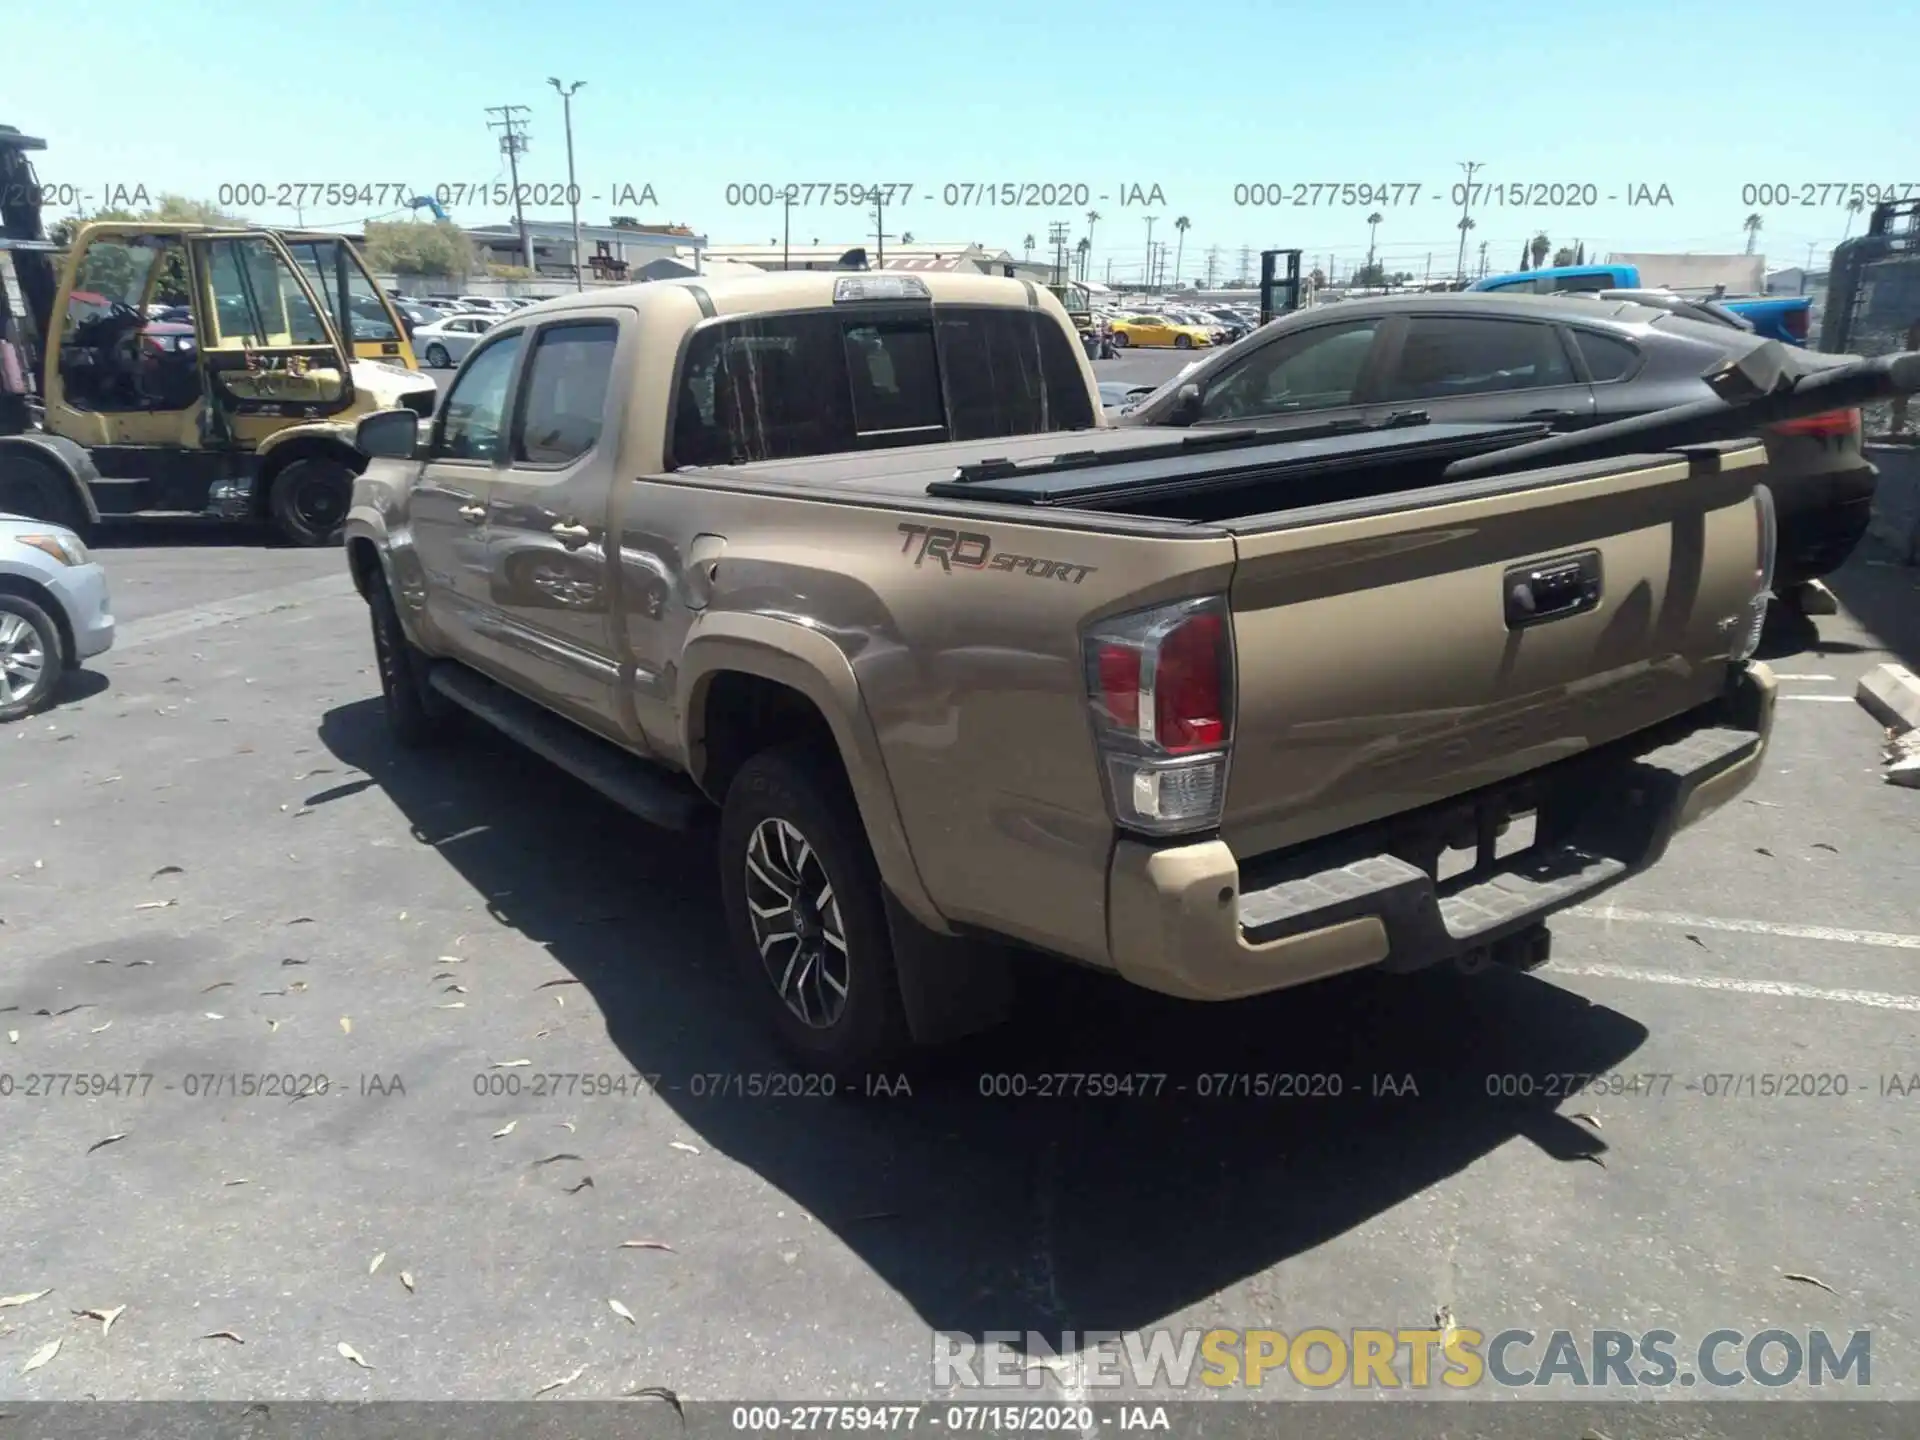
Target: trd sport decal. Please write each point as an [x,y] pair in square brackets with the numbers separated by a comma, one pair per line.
[970,550]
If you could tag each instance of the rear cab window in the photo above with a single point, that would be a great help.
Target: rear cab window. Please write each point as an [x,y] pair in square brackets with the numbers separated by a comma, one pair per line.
[820,382]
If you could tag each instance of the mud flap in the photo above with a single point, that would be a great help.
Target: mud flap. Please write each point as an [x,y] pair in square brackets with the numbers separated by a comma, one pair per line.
[949,986]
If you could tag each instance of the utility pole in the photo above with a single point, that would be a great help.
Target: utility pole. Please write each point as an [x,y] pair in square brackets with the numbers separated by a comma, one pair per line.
[573,190]
[1150,220]
[786,233]
[513,143]
[1483,259]
[1057,233]
[1109,272]
[1466,221]
[1429,279]
[1213,262]
[879,230]
[1245,276]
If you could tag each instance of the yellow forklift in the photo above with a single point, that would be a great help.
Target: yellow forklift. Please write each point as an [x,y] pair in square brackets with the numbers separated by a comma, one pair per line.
[174,368]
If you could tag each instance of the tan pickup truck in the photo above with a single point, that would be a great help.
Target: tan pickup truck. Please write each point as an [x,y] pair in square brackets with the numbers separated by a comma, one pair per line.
[852,558]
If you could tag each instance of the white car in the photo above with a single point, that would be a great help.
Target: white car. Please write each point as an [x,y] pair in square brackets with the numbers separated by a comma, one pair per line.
[446,342]
[487,304]
[54,611]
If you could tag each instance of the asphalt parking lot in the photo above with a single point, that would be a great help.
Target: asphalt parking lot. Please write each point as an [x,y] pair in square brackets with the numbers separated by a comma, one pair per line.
[214,864]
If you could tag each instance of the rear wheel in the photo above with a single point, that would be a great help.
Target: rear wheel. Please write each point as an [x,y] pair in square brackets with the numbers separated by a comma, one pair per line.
[1183,342]
[33,488]
[806,913]
[309,500]
[31,657]
[437,357]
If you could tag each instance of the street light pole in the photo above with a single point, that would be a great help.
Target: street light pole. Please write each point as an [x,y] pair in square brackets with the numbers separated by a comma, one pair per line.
[573,190]
[1150,220]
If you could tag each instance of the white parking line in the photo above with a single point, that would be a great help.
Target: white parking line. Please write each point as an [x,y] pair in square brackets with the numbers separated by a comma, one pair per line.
[171,623]
[1884,938]
[1779,676]
[1874,999]
[1827,699]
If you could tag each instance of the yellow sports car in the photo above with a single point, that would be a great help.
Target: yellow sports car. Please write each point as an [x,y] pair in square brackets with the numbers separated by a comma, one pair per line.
[1153,332]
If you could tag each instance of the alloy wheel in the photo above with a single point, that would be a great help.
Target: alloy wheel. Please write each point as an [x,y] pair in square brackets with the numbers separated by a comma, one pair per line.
[23,661]
[796,923]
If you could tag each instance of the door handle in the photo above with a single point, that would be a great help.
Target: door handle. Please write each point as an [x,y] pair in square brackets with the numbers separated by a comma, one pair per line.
[1549,415]
[473,514]
[572,536]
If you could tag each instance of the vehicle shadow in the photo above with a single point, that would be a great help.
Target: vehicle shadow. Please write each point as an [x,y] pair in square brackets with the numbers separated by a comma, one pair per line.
[76,687]
[1884,596]
[990,1197]
[142,532]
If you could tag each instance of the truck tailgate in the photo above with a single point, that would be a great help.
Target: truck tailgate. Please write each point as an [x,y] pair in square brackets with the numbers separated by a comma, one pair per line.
[1400,656]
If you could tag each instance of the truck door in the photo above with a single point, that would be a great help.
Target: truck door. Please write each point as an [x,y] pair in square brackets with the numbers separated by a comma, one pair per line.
[269,351]
[548,570]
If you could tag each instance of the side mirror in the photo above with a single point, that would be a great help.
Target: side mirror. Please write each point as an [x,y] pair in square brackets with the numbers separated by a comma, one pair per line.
[388,434]
[1186,406]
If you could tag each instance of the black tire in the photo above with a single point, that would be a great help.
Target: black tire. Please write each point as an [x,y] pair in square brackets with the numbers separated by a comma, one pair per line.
[309,500]
[31,656]
[438,358]
[803,789]
[1183,342]
[1120,341]
[417,716]
[34,488]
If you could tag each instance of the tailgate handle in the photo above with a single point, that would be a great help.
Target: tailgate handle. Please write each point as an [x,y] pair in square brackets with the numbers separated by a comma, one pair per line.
[1552,589]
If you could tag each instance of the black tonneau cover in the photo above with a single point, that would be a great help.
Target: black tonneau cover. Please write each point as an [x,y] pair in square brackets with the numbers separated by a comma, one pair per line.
[1218,460]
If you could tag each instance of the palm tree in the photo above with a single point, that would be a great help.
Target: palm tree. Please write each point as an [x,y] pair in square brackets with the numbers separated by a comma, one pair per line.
[907,239]
[1093,217]
[1373,225]
[1538,247]
[1028,242]
[1752,226]
[1182,225]
[1085,249]
[1854,207]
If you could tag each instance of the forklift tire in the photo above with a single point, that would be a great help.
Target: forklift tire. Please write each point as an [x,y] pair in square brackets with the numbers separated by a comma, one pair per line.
[309,501]
[35,489]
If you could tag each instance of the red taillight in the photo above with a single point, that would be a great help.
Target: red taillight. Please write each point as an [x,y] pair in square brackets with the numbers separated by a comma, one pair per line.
[1828,422]
[1160,682]
[1188,686]
[1119,671]
[1795,322]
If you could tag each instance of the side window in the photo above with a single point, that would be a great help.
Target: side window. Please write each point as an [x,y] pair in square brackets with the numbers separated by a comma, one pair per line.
[765,388]
[1009,372]
[1445,356]
[1317,369]
[566,392]
[474,416]
[257,301]
[895,382]
[1607,358]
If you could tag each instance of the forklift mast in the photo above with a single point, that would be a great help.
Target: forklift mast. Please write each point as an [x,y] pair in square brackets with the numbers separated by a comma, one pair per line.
[1279,291]
[21,231]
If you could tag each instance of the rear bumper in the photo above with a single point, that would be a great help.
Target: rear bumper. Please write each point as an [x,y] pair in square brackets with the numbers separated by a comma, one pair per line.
[1192,921]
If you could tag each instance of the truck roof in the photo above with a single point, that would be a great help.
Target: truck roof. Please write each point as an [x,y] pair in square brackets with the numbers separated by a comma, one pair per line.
[797,290]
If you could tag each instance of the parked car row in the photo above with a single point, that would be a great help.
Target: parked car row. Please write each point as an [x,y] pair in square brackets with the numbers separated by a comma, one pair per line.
[443,328]
[1177,327]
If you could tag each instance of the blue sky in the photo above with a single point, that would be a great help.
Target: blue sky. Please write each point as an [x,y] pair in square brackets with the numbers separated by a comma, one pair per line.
[1195,101]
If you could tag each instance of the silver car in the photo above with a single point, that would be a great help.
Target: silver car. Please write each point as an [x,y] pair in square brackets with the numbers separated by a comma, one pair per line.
[54,611]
